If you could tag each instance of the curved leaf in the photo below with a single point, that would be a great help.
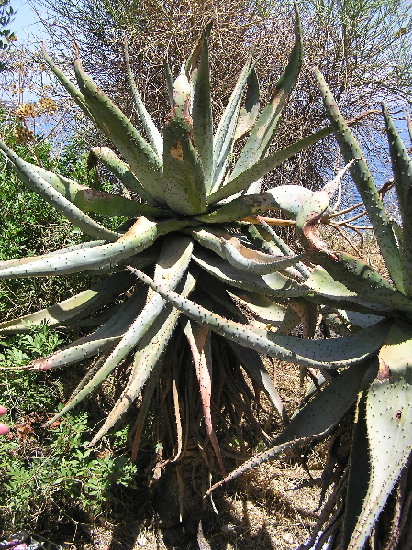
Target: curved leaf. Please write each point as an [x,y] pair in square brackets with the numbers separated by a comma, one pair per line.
[73,308]
[202,111]
[262,308]
[93,200]
[171,266]
[140,236]
[102,339]
[68,85]
[137,152]
[153,133]
[265,165]
[253,261]
[402,171]
[200,346]
[120,169]
[146,360]
[289,198]
[30,176]
[263,131]
[273,284]
[330,353]
[365,185]
[147,356]
[388,422]
[224,137]
[361,280]
[249,113]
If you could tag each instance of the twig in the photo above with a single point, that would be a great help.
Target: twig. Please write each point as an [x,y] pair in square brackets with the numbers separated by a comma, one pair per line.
[257,220]
[344,222]
[346,210]
[357,227]
[382,191]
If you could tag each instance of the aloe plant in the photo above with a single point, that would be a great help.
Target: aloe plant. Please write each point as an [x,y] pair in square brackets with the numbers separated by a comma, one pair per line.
[188,191]
[176,281]
[376,392]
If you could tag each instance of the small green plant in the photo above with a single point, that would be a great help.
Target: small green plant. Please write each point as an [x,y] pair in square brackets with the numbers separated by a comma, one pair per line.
[45,470]
[58,472]
[22,393]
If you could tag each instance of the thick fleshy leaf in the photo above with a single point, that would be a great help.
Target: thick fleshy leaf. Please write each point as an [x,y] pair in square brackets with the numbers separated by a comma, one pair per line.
[72,309]
[254,261]
[211,237]
[361,280]
[199,341]
[275,244]
[170,268]
[31,177]
[249,113]
[75,247]
[308,218]
[224,137]
[354,274]
[229,247]
[359,320]
[329,353]
[264,128]
[263,308]
[192,63]
[183,176]
[365,184]
[147,359]
[93,200]
[273,284]
[401,165]
[337,294]
[300,312]
[140,236]
[289,198]
[68,85]
[202,111]
[359,472]
[147,393]
[102,339]
[123,172]
[144,162]
[402,171]
[152,132]
[388,422]
[169,80]
[265,165]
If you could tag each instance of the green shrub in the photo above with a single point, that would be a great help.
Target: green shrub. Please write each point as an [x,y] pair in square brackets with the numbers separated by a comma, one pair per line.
[43,470]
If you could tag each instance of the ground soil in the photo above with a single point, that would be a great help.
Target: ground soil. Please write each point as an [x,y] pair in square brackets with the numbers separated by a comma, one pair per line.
[272,507]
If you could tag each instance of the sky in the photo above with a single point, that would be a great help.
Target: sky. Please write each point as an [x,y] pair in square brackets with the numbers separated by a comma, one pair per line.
[25,22]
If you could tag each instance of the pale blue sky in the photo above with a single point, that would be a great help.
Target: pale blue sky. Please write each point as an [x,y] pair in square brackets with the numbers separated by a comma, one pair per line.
[26,22]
